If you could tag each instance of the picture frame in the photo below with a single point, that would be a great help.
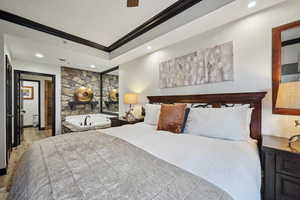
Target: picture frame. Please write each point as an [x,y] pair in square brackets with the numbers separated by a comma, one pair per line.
[27,92]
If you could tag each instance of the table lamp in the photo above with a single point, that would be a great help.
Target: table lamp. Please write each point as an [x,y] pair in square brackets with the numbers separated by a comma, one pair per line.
[289,97]
[130,99]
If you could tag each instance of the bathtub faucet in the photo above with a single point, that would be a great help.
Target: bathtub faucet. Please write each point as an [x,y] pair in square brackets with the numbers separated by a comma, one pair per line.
[85,120]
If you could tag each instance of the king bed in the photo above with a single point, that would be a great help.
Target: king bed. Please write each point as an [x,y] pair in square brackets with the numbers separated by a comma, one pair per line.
[140,162]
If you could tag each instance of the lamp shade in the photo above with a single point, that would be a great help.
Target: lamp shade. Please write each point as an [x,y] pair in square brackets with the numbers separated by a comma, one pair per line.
[288,95]
[130,98]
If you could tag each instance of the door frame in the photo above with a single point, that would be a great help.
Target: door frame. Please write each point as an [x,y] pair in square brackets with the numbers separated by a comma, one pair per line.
[20,72]
[39,98]
[9,106]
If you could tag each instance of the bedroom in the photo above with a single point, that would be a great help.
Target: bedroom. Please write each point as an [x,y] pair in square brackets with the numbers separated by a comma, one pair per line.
[242,30]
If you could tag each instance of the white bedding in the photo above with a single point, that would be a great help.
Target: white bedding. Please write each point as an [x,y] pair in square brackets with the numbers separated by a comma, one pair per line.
[234,166]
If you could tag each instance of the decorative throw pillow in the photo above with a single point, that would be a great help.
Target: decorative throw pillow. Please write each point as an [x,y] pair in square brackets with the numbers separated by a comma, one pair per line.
[152,113]
[171,117]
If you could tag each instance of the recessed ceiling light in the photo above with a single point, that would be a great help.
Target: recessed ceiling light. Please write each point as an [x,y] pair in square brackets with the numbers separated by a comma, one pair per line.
[92,66]
[149,47]
[39,55]
[251,4]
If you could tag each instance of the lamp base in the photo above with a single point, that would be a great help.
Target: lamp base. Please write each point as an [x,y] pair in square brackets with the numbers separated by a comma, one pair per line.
[129,116]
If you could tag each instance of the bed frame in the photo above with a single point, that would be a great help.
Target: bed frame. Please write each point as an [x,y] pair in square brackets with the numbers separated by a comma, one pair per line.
[217,100]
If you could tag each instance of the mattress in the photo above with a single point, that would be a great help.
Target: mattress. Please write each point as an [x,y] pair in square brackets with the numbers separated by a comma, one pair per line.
[233,166]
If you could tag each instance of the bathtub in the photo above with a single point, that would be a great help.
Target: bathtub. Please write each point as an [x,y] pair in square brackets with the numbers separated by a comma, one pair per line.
[94,121]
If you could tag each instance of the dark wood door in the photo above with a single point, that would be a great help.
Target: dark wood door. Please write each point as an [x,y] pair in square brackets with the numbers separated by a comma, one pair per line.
[9,114]
[48,104]
[18,122]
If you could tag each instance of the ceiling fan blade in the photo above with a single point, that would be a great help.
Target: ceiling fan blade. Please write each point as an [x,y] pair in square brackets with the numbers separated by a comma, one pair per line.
[132,3]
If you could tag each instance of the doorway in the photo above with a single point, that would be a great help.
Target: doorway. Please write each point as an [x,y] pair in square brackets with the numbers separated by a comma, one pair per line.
[35,106]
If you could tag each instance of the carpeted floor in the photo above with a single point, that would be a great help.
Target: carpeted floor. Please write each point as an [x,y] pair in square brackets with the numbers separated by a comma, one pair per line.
[30,135]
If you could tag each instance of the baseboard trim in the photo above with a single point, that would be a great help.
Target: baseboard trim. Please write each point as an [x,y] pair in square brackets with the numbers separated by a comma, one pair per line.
[3,172]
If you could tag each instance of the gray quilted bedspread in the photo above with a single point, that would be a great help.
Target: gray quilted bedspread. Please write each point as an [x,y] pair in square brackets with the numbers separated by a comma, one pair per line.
[93,165]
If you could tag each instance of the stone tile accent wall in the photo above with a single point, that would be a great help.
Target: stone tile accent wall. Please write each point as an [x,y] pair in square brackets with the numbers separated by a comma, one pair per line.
[110,82]
[71,79]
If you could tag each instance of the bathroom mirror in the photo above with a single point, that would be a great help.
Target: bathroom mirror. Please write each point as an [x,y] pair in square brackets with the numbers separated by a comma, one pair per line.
[286,69]
[110,91]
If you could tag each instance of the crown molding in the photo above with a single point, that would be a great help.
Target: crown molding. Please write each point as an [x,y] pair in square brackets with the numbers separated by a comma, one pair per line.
[155,21]
[49,30]
[168,13]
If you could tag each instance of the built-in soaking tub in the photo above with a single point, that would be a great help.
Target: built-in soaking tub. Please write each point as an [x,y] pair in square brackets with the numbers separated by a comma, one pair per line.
[77,123]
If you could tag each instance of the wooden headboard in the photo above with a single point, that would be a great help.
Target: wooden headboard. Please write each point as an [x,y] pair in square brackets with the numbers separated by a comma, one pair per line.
[217,100]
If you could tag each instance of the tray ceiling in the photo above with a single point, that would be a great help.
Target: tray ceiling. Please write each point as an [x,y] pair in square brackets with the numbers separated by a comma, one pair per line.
[100,21]
[23,42]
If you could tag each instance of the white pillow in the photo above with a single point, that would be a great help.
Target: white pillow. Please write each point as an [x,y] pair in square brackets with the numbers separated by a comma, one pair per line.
[152,112]
[231,123]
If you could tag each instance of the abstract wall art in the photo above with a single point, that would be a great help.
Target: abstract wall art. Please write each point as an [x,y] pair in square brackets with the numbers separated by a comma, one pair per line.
[211,65]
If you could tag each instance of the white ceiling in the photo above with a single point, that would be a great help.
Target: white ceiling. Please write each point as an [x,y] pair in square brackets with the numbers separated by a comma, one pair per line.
[23,42]
[100,21]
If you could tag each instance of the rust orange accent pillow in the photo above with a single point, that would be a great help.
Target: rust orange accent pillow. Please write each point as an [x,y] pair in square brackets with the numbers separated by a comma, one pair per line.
[171,117]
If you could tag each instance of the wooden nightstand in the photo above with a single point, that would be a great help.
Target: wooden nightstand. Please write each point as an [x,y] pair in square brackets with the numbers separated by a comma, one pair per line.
[281,165]
[116,121]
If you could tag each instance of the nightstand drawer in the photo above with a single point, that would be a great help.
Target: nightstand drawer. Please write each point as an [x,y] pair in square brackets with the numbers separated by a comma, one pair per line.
[288,163]
[287,188]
